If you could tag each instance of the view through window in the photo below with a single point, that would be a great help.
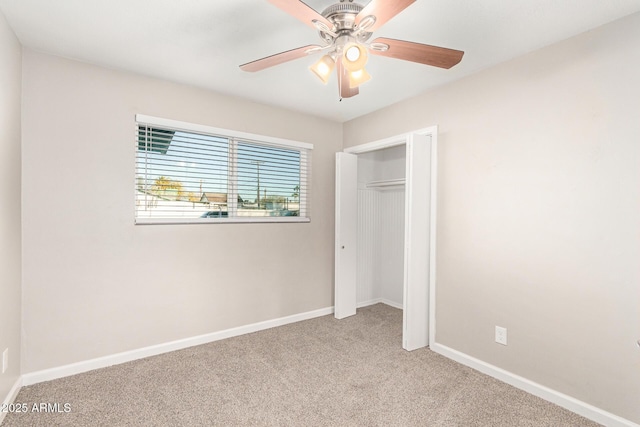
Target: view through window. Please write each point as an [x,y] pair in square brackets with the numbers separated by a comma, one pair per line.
[191,176]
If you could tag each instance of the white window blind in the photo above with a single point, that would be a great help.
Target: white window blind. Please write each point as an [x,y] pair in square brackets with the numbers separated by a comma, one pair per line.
[188,173]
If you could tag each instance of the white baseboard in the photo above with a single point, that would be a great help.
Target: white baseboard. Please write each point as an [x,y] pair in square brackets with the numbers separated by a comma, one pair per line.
[127,356]
[380,300]
[368,303]
[574,405]
[11,397]
[392,303]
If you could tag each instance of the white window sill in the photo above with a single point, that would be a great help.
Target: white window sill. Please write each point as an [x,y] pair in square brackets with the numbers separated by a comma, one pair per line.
[236,220]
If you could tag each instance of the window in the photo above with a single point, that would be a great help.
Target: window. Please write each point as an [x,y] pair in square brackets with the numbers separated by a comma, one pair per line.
[188,173]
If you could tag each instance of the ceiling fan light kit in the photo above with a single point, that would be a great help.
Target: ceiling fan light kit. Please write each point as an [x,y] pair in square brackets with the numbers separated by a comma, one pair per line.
[345,29]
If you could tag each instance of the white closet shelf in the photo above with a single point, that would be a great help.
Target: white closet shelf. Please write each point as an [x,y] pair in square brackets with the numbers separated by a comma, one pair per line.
[386,183]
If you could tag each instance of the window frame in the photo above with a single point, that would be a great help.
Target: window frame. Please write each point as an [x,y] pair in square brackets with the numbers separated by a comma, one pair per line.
[234,137]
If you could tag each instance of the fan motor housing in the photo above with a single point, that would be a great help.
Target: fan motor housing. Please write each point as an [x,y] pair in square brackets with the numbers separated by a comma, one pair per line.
[343,7]
[343,16]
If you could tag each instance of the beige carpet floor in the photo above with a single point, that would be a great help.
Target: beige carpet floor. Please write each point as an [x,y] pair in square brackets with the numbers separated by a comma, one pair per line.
[320,372]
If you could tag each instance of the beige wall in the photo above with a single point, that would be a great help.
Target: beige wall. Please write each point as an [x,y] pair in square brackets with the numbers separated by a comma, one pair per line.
[538,212]
[10,236]
[95,284]
[10,232]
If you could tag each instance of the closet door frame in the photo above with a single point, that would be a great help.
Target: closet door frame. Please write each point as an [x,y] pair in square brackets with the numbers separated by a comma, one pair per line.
[403,139]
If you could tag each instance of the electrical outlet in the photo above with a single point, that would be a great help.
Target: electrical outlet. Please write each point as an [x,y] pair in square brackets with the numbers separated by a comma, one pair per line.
[501,335]
[5,360]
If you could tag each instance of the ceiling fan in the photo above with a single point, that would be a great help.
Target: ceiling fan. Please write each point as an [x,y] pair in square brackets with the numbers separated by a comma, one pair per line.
[345,29]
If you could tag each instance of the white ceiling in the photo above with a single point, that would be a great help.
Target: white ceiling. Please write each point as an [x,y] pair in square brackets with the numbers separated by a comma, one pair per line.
[202,42]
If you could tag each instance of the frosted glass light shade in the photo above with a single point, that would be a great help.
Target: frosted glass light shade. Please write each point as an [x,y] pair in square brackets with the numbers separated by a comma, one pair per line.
[356,78]
[323,68]
[354,57]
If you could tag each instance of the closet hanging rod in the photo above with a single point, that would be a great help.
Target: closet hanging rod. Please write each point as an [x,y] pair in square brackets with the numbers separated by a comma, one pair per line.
[386,183]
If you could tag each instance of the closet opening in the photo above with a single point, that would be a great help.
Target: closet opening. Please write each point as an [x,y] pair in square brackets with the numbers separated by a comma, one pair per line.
[380,230]
[385,231]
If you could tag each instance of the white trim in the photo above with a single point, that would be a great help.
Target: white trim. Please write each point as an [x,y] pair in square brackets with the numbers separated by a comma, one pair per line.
[247,219]
[369,302]
[391,141]
[11,397]
[378,301]
[417,243]
[193,127]
[433,132]
[378,145]
[392,303]
[572,404]
[127,356]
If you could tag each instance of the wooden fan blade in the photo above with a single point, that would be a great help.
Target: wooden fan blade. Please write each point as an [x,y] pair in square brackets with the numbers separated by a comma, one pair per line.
[418,52]
[343,81]
[383,10]
[301,11]
[278,58]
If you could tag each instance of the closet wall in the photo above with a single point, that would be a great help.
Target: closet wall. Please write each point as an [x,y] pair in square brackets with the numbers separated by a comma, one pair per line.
[380,255]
